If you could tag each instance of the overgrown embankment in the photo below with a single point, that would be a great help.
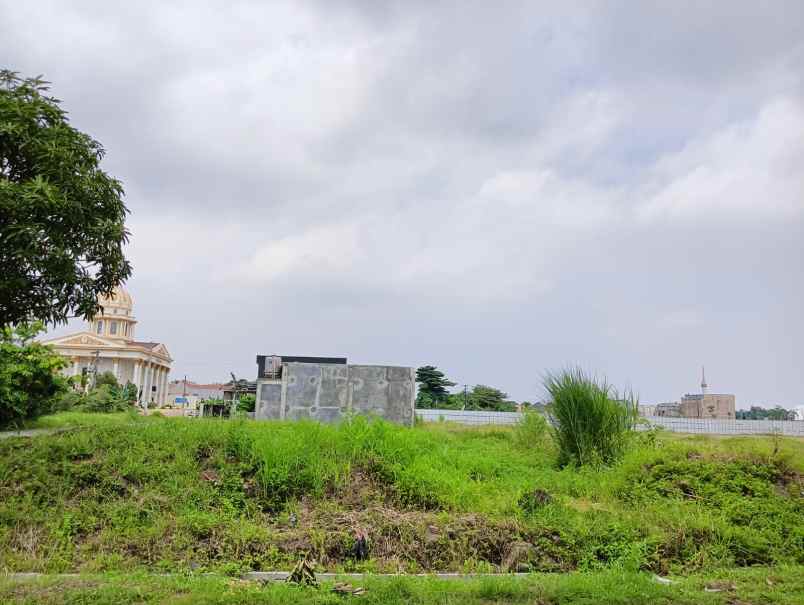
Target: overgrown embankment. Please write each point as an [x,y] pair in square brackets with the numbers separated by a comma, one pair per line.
[172,494]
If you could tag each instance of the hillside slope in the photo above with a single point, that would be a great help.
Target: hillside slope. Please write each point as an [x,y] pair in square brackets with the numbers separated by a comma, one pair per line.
[162,494]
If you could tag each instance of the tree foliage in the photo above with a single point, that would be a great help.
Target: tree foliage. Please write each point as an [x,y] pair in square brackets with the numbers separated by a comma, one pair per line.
[760,413]
[484,397]
[433,387]
[247,402]
[62,218]
[106,378]
[29,375]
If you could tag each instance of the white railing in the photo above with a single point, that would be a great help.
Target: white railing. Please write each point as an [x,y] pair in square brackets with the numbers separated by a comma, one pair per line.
[792,428]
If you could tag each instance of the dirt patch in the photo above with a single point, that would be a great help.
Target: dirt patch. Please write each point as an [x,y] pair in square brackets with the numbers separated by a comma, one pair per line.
[398,540]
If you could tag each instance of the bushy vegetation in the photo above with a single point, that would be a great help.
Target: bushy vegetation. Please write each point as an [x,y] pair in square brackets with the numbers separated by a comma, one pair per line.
[760,413]
[166,494]
[107,396]
[592,423]
[246,403]
[30,381]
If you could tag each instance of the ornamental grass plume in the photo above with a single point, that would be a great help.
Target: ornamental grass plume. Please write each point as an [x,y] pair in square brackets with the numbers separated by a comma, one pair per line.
[591,422]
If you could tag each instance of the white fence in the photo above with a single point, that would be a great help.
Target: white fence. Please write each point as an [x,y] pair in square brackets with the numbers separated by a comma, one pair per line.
[469,417]
[791,428]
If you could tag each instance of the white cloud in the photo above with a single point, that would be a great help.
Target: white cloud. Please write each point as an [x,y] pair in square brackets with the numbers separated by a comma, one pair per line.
[746,171]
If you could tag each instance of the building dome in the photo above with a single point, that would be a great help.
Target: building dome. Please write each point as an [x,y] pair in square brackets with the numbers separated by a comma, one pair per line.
[118,303]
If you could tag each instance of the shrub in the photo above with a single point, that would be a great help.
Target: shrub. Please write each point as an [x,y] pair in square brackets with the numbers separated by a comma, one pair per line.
[531,429]
[29,375]
[105,399]
[106,378]
[246,403]
[591,421]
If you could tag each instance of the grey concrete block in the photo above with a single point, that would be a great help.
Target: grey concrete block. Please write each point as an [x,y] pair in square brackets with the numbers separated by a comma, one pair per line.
[269,404]
[327,392]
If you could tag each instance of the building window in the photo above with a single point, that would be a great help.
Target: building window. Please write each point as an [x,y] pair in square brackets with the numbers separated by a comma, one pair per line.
[100,326]
[113,327]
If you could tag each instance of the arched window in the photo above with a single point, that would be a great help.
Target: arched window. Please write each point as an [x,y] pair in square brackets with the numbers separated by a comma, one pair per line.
[100,326]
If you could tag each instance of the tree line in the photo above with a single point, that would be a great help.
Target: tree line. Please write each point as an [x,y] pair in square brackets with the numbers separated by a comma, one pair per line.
[433,392]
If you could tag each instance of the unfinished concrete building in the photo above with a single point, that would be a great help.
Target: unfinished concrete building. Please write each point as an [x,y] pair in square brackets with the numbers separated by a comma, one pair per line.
[329,389]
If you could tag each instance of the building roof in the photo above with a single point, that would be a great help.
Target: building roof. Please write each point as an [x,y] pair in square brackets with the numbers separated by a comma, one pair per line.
[146,345]
[198,385]
[119,298]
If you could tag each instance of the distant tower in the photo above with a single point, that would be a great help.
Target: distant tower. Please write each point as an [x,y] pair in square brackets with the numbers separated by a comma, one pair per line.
[704,386]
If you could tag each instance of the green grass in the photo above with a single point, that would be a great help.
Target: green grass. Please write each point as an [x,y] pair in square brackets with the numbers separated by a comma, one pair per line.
[80,419]
[153,494]
[781,586]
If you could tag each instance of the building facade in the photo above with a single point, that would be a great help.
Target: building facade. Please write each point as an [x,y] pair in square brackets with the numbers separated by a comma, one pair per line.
[707,405]
[108,345]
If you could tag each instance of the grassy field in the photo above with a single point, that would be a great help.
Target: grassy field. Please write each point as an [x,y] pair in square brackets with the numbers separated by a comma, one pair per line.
[122,492]
[781,586]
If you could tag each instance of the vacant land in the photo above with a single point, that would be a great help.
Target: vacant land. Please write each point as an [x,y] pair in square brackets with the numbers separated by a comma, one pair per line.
[121,493]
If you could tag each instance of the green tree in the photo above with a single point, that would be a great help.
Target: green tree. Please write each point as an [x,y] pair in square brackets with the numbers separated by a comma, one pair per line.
[107,378]
[760,413]
[433,387]
[29,375]
[484,397]
[62,219]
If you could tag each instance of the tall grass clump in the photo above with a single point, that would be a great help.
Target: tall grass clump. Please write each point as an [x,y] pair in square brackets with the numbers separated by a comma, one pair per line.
[591,421]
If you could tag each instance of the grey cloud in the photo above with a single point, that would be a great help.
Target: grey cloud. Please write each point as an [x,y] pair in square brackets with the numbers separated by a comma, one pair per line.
[452,183]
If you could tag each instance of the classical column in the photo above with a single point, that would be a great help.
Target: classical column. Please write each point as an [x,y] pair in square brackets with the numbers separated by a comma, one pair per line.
[157,384]
[143,382]
[163,396]
[75,366]
[149,380]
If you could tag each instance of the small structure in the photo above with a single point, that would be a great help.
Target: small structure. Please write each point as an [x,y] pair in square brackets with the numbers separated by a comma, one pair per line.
[243,387]
[328,389]
[108,345]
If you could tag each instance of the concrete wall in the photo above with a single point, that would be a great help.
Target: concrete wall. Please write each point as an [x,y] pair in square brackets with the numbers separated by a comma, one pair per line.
[328,392]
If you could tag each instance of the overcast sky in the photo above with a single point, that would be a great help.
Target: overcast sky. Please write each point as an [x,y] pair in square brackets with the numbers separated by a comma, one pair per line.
[495,188]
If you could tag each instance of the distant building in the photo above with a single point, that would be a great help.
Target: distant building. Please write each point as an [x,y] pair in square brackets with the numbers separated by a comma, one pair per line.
[107,345]
[188,394]
[646,409]
[669,409]
[243,387]
[708,405]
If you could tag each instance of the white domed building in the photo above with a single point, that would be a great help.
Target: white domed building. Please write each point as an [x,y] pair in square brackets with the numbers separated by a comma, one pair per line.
[109,344]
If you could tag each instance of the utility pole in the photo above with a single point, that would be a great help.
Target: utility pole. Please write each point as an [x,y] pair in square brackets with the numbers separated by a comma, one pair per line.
[465,387]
